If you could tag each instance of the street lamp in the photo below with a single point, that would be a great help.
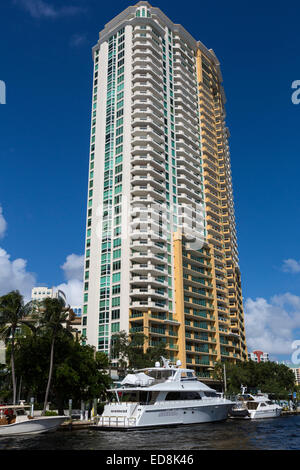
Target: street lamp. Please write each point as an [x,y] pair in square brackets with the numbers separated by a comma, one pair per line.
[225,380]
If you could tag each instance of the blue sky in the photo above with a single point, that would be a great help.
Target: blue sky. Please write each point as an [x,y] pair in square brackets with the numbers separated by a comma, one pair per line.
[45,50]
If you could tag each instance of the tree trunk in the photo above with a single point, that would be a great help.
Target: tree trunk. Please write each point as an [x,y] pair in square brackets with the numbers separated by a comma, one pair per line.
[60,405]
[50,375]
[13,373]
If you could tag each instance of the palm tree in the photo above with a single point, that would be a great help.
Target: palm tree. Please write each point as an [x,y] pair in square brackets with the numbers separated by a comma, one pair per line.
[54,314]
[13,314]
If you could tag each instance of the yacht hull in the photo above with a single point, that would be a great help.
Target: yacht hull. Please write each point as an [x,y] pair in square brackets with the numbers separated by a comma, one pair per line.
[262,414]
[255,414]
[157,417]
[239,414]
[32,426]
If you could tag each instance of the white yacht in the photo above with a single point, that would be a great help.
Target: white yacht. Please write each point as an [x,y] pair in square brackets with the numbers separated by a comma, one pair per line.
[162,396]
[15,421]
[258,406]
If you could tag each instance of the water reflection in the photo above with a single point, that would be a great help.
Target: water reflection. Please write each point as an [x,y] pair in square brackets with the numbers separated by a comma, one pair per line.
[278,433]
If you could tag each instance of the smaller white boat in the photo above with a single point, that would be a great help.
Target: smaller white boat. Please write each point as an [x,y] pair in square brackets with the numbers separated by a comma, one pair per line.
[15,421]
[258,406]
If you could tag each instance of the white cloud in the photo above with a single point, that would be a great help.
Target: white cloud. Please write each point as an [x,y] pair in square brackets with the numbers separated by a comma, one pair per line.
[73,290]
[73,272]
[3,224]
[13,273]
[271,325]
[291,266]
[73,267]
[43,9]
[14,276]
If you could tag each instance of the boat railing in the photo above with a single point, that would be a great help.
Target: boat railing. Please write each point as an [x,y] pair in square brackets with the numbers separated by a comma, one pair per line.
[114,421]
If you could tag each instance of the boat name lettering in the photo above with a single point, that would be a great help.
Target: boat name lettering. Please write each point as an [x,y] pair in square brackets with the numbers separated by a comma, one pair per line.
[168,413]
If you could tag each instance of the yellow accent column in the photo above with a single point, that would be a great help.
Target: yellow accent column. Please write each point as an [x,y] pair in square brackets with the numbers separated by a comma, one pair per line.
[216,324]
[199,68]
[146,330]
[179,296]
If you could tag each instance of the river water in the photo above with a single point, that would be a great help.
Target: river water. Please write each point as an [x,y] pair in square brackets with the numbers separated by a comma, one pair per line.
[278,433]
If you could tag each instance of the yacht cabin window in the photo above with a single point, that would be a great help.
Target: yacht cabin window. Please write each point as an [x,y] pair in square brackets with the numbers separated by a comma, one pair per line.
[210,394]
[160,374]
[182,396]
[252,405]
[141,397]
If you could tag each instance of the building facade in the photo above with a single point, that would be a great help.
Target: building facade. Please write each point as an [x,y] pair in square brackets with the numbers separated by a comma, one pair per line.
[161,252]
[258,356]
[77,309]
[296,371]
[41,293]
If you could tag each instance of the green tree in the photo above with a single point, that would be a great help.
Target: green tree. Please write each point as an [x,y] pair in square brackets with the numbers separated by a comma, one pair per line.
[218,371]
[79,372]
[154,354]
[129,350]
[5,391]
[32,363]
[54,315]
[268,377]
[13,314]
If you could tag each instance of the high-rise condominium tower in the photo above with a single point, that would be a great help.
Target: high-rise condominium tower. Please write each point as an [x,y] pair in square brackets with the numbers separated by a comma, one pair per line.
[161,253]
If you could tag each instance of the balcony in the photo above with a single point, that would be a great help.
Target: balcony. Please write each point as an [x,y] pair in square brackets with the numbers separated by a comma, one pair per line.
[148,305]
[156,162]
[155,72]
[150,268]
[154,149]
[155,247]
[148,169]
[145,280]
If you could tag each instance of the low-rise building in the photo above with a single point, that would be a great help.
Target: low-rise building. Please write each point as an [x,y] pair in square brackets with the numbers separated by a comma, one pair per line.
[76,321]
[77,309]
[296,371]
[258,356]
[41,293]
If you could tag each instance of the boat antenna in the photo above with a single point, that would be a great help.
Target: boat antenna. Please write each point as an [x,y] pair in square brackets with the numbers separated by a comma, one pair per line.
[165,362]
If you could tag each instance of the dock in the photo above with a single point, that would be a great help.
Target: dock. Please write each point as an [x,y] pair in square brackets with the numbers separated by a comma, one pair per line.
[74,425]
[290,412]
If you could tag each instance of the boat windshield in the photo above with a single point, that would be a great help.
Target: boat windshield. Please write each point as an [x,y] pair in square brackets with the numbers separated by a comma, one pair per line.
[138,396]
[160,375]
[252,405]
[245,397]
[188,375]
